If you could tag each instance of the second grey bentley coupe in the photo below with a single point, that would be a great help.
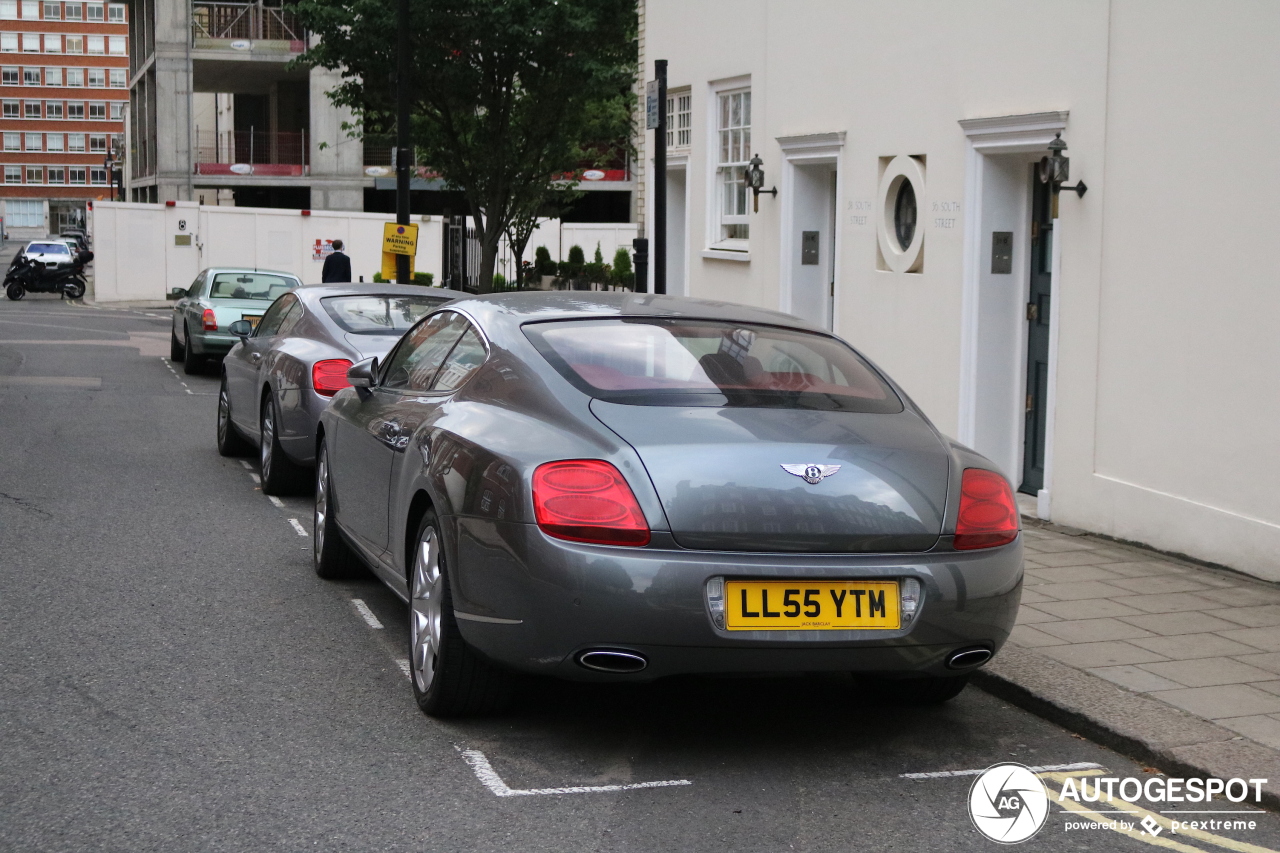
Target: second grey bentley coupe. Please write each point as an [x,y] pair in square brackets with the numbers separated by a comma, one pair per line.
[613,486]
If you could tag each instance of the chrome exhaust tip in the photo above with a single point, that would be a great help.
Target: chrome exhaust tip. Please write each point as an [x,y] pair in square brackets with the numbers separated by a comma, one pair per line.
[968,658]
[612,660]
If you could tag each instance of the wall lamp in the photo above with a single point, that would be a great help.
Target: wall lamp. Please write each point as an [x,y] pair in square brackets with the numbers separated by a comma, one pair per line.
[1054,170]
[755,180]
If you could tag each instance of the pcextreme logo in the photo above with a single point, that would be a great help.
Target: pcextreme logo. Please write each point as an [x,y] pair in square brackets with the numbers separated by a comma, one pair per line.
[1008,803]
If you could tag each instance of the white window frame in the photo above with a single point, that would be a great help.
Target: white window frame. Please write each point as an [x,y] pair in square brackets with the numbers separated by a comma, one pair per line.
[8,10]
[9,43]
[71,175]
[26,110]
[13,174]
[97,175]
[12,140]
[68,8]
[28,70]
[71,105]
[101,78]
[51,107]
[97,111]
[115,111]
[54,7]
[118,78]
[100,41]
[28,138]
[10,109]
[55,175]
[101,14]
[30,42]
[53,76]
[679,118]
[10,75]
[116,46]
[115,13]
[75,44]
[30,10]
[75,143]
[717,245]
[76,74]
[52,43]
[97,143]
[39,178]
[54,143]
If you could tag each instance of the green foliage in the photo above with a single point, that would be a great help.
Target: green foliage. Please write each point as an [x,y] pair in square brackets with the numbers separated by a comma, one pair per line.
[507,97]
[542,262]
[596,272]
[576,255]
[622,272]
[599,258]
[378,279]
[499,282]
[424,278]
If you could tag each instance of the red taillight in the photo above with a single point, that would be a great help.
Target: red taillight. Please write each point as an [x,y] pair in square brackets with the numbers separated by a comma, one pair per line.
[210,320]
[329,377]
[988,514]
[587,500]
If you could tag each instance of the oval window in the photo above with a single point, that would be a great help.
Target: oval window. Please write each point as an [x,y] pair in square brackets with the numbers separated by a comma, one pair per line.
[904,214]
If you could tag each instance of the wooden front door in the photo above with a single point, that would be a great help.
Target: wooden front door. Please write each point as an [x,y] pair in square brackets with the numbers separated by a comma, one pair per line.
[1034,441]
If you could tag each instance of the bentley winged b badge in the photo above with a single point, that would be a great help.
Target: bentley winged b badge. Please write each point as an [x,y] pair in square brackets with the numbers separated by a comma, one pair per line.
[811,474]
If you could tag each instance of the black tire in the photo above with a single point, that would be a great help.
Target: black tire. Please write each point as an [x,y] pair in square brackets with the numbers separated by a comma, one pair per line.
[330,555]
[280,474]
[230,442]
[15,292]
[917,691]
[176,350]
[460,682]
[76,289]
[192,364]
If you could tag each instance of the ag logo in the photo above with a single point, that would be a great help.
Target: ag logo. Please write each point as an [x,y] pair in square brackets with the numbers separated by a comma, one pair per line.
[1008,803]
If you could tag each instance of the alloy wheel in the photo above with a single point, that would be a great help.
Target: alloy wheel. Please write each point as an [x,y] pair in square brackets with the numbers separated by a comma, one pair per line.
[322,501]
[426,594]
[268,438]
[224,413]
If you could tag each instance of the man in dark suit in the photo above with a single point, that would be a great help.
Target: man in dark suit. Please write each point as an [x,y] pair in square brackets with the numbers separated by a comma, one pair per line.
[337,267]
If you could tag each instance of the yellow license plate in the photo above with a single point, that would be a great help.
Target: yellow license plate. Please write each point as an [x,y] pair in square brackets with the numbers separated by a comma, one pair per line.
[252,318]
[811,605]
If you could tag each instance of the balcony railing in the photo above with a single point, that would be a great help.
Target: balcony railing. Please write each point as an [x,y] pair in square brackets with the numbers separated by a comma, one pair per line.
[252,152]
[245,21]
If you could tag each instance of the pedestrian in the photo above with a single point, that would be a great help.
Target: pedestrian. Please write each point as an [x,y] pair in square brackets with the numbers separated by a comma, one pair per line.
[337,267]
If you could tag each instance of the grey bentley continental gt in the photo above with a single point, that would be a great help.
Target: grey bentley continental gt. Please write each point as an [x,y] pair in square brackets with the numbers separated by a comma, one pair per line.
[612,486]
[283,370]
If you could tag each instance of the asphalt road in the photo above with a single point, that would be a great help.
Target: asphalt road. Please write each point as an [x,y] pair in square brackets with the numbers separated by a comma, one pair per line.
[174,677]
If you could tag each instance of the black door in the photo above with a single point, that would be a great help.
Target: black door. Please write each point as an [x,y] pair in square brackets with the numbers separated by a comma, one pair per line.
[1033,448]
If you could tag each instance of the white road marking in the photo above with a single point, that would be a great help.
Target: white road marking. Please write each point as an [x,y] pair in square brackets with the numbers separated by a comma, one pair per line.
[275,500]
[491,780]
[1048,768]
[298,527]
[189,391]
[255,478]
[245,463]
[367,615]
[404,667]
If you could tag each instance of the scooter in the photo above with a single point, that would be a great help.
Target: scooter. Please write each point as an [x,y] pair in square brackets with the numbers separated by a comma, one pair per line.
[28,276]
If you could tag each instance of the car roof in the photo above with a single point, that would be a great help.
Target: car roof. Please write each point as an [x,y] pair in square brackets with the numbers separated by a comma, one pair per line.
[321,291]
[214,270]
[525,306]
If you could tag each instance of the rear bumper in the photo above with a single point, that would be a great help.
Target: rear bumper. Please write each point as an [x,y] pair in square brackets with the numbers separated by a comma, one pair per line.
[650,601]
[211,343]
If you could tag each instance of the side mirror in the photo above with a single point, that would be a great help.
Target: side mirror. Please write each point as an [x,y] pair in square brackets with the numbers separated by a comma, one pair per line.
[177,293]
[241,329]
[363,374]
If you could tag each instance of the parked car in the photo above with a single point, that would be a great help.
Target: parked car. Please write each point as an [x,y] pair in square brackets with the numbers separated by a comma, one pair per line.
[217,298]
[54,253]
[280,375]
[624,486]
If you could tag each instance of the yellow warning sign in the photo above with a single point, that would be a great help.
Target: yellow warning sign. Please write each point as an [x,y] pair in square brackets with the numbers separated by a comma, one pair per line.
[389,266]
[400,239]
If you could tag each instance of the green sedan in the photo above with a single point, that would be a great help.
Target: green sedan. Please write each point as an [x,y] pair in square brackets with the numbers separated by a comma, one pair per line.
[217,298]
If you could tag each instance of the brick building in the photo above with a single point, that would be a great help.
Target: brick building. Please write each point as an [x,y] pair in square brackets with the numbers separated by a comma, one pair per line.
[64,84]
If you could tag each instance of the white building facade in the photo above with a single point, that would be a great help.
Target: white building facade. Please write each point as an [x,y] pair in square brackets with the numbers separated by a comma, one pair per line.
[1117,359]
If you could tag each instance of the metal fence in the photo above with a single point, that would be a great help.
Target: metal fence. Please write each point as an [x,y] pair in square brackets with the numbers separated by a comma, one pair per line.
[461,255]
[254,21]
[251,146]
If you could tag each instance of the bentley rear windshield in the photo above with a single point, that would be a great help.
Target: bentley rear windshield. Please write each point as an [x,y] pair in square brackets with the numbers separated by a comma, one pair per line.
[671,362]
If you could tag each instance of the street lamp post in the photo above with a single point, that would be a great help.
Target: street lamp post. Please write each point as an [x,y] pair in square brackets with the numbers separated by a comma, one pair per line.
[404,158]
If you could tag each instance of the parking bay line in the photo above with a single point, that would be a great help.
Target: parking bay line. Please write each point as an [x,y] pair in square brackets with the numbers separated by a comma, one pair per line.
[275,500]
[298,527]
[490,779]
[368,616]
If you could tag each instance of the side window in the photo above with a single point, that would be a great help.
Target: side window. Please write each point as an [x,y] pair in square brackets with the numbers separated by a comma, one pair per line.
[466,358]
[291,319]
[414,364]
[195,286]
[271,321]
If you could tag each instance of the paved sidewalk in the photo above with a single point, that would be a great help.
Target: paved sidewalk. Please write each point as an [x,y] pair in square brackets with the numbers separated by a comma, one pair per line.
[1204,640]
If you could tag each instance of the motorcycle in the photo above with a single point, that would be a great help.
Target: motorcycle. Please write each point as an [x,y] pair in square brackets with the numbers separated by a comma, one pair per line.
[28,276]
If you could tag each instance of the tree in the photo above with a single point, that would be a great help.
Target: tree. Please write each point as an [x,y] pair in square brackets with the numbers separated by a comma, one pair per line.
[508,96]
